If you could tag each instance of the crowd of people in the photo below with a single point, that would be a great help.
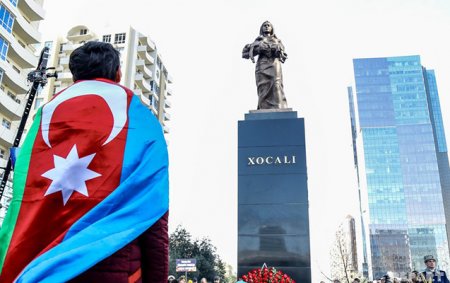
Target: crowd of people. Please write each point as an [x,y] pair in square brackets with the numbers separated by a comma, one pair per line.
[431,274]
[182,279]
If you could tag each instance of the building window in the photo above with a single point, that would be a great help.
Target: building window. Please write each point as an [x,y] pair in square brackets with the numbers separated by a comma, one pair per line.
[154,87]
[6,19]
[3,48]
[16,69]
[155,103]
[83,31]
[48,44]
[119,38]
[158,62]
[38,103]
[12,95]
[13,2]
[61,48]
[1,77]
[107,38]
[6,123]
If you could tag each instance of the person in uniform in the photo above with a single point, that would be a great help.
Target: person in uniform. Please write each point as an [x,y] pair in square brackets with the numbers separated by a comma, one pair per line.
[432,274]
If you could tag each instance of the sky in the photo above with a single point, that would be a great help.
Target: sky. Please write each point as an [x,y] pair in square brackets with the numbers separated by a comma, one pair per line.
[201,43]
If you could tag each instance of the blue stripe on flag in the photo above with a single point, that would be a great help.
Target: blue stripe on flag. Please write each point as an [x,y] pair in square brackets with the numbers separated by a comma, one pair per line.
[139,201]
[13,153]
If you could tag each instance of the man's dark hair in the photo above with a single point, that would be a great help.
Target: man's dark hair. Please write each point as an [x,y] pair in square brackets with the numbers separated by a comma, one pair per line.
[94,59]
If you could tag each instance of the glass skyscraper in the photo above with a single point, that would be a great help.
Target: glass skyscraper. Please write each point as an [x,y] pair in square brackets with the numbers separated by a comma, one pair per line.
[402,163]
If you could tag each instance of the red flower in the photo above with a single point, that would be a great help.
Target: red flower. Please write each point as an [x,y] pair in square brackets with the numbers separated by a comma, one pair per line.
[267,275]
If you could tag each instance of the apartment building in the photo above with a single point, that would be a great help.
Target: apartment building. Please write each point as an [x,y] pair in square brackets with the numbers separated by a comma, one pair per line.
[141,62]
[19,36]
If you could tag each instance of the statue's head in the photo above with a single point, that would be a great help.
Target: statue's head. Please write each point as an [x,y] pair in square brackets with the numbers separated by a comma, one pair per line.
[266,28]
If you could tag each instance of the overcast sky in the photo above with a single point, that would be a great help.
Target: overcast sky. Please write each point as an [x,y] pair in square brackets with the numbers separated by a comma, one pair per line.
[201,43]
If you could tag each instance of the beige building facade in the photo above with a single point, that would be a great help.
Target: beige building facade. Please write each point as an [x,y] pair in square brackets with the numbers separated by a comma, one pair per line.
[19,36]
[142,67]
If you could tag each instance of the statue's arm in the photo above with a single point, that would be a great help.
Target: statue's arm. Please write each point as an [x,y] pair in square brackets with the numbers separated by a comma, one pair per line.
[281,54]
[246,51]
[251,50]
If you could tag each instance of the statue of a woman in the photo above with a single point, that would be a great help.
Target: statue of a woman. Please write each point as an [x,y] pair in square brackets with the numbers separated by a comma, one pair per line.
[269,79]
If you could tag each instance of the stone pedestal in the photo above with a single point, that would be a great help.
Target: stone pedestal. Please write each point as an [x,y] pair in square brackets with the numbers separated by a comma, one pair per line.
[273,218]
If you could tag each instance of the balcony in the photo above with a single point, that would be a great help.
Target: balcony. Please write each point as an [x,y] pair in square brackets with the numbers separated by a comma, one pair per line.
[12,79]
[169,79]
[166,116]
[31,9]
[144,54]
[69,47]
[17,52]
[137,91]
[140,65]
[65,77]
[169,91]
[140,81]
[167,104]
[64,61]
[7,136]
[80,33]
[144,100]
[26,31]
[3,162]
[13,109]
[59,88]
[147,42]
[23,57]
[153,109]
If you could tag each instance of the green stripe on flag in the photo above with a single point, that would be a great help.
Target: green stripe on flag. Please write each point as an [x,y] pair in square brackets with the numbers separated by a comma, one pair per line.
[20,178]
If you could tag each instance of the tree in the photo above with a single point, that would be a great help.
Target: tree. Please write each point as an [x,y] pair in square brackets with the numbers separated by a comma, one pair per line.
[209,263]
[341,266]
[230,275]
[344,264]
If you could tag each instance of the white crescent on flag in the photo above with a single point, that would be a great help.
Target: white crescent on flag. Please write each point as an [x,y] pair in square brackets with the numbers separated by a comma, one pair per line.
[114,96]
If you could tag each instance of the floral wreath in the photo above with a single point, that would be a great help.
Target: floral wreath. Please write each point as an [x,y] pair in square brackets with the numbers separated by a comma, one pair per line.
[267,275]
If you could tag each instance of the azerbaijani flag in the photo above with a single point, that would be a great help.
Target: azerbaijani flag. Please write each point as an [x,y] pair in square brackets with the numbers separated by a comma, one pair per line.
[91,176]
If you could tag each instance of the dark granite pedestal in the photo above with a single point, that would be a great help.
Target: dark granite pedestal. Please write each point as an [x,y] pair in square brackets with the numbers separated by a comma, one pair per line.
[273,218]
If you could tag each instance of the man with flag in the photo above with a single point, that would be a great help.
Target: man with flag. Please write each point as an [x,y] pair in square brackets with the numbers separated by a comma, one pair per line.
[90,189]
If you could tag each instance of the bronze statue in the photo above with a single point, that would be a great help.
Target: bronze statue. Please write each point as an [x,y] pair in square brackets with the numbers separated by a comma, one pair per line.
[269,78]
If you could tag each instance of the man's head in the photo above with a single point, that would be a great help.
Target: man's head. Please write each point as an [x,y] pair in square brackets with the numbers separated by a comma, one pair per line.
[216,279]
[430,261]
[203,280]
[336,281]
[95,59]
[356,280]
[413,275]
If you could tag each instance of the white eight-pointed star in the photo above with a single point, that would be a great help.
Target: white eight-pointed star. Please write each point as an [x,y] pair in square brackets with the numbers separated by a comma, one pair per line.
[70,174]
